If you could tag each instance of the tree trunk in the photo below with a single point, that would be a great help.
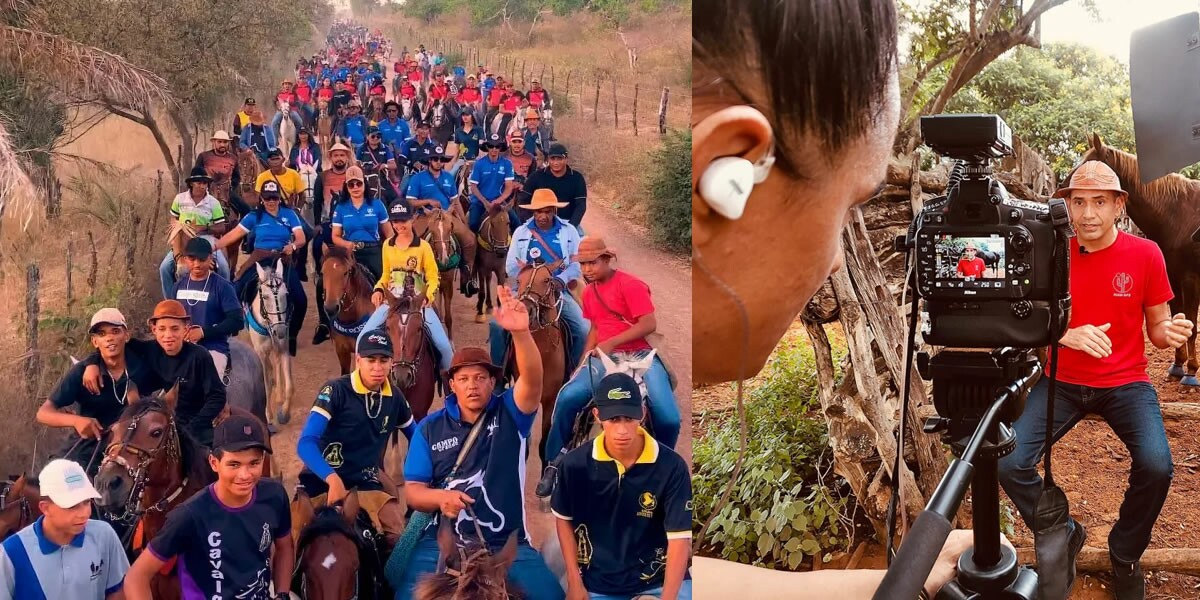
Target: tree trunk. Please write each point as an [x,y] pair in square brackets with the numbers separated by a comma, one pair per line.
[186,158]
[146,119]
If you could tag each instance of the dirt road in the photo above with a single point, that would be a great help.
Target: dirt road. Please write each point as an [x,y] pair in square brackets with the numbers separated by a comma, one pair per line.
[669,280]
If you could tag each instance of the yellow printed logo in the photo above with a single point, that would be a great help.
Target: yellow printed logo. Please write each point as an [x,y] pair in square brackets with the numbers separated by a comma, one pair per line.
[648,503]
[333,454]
[584,544]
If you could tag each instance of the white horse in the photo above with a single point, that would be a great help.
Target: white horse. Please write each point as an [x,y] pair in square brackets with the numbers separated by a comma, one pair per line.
[287,128]
[268,327]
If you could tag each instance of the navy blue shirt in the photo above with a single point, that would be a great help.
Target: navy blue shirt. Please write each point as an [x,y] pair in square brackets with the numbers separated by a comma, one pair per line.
[358,429]
[469,141]
[491,473]
[378,155]
[208,303]
[490,176]
[360,224]
[423,186]
[272,232]
[411,148]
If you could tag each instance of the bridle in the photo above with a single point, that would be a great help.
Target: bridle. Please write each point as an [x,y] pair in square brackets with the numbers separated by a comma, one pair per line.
[276,319]
[466,557]
[411,366]
[346,299]
[446,245]
[498,246]
[168,445]
[22,502]
[544,303]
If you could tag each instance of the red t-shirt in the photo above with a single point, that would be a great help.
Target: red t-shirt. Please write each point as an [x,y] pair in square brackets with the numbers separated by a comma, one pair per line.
[511,103]
[495,97]
[415,75]
[289,97]
[625,294]
[304,93]
[537,97]
[469,96]
[325,93]
[407,90]
[971,268]
[1114,285]
[439,92]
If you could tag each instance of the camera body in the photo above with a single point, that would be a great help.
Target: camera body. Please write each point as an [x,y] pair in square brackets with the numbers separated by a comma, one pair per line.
[991,269]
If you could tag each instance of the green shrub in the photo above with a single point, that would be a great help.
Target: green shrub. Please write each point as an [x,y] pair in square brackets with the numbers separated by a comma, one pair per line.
[780,511]
[670,192]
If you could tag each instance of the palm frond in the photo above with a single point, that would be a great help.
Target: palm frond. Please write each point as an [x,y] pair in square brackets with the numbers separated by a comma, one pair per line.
[18,193]
[79,69]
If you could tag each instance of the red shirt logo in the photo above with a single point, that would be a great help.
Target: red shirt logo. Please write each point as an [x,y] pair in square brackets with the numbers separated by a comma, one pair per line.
[1122,284]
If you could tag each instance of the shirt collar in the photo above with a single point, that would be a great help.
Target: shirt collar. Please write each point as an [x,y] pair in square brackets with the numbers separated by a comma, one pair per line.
[359,388]
[648,456]
[49,547]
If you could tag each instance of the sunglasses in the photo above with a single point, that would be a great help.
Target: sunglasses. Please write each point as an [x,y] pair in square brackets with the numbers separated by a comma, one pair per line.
[271,199]
[354,183]
[438,159]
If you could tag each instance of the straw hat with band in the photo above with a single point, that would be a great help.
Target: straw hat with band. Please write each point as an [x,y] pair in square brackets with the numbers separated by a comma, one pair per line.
[221,135]
[1093,175]
[543,198]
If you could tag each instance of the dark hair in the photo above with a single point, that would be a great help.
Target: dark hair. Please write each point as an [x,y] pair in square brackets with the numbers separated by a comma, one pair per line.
[822,65]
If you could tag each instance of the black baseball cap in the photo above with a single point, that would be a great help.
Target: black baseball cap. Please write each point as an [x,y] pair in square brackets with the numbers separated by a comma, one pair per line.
[198,247]
[250,101]
[270,189]
[618,395]
[372,130]
[375,343]
[557,150]
[239,432]
[401,210]
[275,153]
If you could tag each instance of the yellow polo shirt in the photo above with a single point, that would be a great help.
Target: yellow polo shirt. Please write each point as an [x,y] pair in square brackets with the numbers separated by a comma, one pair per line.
[290,182]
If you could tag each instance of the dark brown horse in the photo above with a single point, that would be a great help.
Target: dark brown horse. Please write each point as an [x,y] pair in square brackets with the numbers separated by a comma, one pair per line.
[545,323]
[347,300]
[472,572]
[439,232]
[414,369]
[1167,210]
[18,505]
[333,560]
[493,239]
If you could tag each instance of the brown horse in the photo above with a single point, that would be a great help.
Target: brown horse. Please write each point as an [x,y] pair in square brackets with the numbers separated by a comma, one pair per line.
[347,301]
[324,125]
[333,561]
[248,166]
[472,572]
[1167,210]
[545,323]
[493,238]
[446,252]
[18,506]
[414,369]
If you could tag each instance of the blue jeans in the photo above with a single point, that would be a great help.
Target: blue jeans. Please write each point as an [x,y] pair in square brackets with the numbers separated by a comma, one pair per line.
[685,593]
[528,571]
[1133,413]
[574,396]
[572,316]
[166,272]
[476,212]
[433,326]
[277,120]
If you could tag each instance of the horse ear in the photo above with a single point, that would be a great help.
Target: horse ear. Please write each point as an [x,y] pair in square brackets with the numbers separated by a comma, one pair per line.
[302,511]
[18,486]
[350,508]
[172,396]
[279,269]
[508,553]
[262,273]
[1097,143]
[609,365]
[74,361]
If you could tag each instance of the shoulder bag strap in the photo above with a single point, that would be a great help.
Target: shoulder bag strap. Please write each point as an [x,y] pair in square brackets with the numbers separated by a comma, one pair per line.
[469,443]
[548,247]
[599,298]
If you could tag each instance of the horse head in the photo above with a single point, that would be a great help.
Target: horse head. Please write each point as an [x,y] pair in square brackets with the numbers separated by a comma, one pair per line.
[329,550]
[342,280]
[496,221]
[471,571]
[147,452]
[406,327]
[272,308]
[541,298]
[18,505]
[440,236]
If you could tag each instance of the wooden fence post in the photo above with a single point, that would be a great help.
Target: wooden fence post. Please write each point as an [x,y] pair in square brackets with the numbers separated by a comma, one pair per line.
[544,72]
[662,111]
[33,280]
[70,269]
[596,104]
[93,266]
[635,99]
[522,72]
[616,123]
[552,88]
[568,91]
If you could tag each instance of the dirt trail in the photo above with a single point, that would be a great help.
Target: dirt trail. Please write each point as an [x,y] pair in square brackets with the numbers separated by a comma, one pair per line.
[669,280]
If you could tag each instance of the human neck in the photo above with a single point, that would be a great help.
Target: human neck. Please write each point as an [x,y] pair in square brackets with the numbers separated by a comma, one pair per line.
[115,363]
[358,201]
[228,498]
[196,277]
[629,455]
[469,415]
[1110,238]
[198,195]
[280,171]
[59,537]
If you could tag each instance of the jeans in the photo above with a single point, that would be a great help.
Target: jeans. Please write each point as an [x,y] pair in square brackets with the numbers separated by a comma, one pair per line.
[1133,413]
[277,120]
[476,213]
[529,571]
[572,316]
[433,326]
[166,272]
[247,289]
[685,593]
[574,396]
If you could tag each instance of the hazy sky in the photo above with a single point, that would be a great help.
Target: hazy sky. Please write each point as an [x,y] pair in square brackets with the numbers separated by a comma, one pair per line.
[1118,20]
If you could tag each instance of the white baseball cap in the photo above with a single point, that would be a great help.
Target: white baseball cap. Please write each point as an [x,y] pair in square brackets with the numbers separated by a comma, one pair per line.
[66,483]
[110,316]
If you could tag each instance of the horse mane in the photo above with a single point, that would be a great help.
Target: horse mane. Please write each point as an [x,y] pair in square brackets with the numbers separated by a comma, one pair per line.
[191,453]
[1126,166]
[339,253]
[477,579]
[326,520]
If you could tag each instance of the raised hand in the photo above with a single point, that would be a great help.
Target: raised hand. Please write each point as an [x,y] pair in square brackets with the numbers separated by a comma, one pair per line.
[511,314]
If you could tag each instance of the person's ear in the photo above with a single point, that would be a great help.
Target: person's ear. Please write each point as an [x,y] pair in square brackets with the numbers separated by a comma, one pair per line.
[732,150]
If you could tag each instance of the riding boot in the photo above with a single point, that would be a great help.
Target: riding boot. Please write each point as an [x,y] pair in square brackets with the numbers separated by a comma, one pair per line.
[321,335]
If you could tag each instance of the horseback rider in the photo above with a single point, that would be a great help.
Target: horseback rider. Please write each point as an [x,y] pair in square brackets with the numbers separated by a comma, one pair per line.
[393,128]
[484,492]
[286,94]
[491,184]
[567,184]
[65,553]
[212,306]
[467,138]
[96,413]
[276,230]
[200,211]
[535,143]
[306,158]
[538,96]
[354,126]
[523,163]
[233,539]
[292,186]
[258,136]
[359,223]
[495,94]
[621,313]
[413,149]
[548,239]
[470,95]
[433,188]
[171,360]
[347,431]
[222,166]
[407,89]
[407,257]
[439,90]
[374,155]
[242,118]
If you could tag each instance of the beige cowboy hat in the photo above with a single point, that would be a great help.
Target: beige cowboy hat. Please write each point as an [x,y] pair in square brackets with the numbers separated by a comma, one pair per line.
[222,135]
[543,198]
[592,248]
[1092,175]
[339,146]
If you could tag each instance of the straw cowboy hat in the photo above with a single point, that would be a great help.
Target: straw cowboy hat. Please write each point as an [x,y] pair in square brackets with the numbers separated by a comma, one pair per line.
[222,135]
[543,198]
[1092,175]
[592,248]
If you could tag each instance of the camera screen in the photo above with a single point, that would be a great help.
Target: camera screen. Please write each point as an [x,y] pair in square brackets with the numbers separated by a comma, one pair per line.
[970,262]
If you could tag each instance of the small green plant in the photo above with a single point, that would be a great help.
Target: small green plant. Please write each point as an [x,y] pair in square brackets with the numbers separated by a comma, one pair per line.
[670,192]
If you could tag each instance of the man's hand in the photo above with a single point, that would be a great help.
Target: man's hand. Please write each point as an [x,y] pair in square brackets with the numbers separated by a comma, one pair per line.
[288,249]
[337,490]
[511,314]
[1090,339]
[88,428]
[92,380]
[946,567]
[1178,330]
[195,333]
[453,501]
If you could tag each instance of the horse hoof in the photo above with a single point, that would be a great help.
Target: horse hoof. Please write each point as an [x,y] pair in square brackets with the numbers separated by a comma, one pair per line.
[282,416]
[1190,380]
[480,318]
[1176,372]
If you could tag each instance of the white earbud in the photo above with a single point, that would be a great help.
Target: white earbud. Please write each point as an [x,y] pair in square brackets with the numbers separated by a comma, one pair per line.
[727,182]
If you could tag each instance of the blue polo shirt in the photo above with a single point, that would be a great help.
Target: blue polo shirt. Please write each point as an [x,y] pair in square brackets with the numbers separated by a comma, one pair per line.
[423,186]
[360,224]
[271,232]
[492,473]
[378,155]
[92,566]
[393,134]
[490,176]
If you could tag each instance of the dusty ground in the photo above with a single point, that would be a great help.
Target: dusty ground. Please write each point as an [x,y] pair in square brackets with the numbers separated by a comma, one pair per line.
[1092,466]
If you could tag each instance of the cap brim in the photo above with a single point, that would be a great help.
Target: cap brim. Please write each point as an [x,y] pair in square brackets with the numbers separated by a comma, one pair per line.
[386,353]
[74,498]
[620,410]
[92,329]
[496,372]
[239,446]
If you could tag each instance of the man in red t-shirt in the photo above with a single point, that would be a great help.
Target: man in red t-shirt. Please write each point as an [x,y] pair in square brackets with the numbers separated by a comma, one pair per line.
[969,265]
[1118,287]
[619,308]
